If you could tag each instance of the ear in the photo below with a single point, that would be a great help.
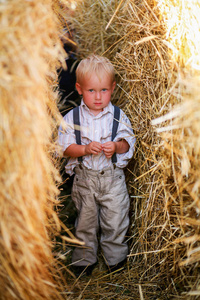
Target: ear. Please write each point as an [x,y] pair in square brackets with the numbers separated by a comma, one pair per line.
[78,88]
[113,86]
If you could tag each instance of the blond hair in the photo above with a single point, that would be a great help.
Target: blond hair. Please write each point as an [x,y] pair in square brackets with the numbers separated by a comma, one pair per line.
[94,64]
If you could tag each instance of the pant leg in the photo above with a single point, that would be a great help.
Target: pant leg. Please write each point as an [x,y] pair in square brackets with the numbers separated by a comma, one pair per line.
[114,218]
[87,221]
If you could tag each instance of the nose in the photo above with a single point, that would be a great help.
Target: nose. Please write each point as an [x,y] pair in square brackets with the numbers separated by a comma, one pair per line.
[98,95]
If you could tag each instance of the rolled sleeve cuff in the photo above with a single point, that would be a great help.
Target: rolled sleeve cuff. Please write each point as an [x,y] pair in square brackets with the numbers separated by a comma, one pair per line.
[123,158]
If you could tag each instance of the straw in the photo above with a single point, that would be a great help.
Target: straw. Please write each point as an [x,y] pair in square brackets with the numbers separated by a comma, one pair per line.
[30,54]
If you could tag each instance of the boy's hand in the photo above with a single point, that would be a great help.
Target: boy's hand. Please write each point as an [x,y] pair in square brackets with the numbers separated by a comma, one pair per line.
[109,149]
[93,148]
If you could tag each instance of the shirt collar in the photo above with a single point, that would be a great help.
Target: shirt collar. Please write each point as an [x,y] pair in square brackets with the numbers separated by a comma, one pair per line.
[107,109]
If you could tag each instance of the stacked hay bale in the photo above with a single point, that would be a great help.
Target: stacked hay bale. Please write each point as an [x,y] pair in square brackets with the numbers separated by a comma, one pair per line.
[154,48]
[30,50]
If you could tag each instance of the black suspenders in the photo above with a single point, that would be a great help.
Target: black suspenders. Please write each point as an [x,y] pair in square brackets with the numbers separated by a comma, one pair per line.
[114,129]
[77,130]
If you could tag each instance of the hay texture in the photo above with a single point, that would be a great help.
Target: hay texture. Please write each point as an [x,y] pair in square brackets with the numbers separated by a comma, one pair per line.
[155,49]
[30,51]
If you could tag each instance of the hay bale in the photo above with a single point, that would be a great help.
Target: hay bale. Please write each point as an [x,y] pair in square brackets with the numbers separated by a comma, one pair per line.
[179,150]
[151,53]
[30,51]
[181,21]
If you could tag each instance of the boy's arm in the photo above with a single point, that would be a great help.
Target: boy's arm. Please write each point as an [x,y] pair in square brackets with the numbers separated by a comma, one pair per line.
[75,150]
[126,138]
[121,146]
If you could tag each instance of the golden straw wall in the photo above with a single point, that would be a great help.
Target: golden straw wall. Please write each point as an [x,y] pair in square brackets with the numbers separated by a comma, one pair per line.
[30,51]
[154,50]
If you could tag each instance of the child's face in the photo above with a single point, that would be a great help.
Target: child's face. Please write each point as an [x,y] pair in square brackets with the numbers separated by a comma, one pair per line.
[96,91]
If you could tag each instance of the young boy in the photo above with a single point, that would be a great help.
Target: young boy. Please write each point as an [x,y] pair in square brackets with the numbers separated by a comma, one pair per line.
[99,189]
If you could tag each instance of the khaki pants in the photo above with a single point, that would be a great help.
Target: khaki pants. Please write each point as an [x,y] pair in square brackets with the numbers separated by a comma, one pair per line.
[102,202]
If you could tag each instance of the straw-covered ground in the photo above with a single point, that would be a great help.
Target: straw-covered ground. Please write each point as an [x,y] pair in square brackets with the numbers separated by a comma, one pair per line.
[154,47]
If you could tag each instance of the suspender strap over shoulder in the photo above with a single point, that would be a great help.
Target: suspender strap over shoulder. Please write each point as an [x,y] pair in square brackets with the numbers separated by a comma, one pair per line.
[114,129]
[77,129]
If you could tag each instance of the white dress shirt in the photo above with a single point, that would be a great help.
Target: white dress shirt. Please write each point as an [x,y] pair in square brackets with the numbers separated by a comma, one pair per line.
[96,128]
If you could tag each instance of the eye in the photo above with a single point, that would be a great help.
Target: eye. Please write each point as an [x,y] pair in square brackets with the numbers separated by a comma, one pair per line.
[91,90]
[104,90]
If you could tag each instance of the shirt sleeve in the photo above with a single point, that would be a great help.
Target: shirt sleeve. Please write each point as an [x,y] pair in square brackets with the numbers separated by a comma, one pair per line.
[125,132]
[66,135]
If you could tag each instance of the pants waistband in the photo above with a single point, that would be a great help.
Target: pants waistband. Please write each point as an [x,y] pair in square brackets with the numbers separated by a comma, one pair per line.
[81,169]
